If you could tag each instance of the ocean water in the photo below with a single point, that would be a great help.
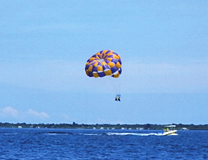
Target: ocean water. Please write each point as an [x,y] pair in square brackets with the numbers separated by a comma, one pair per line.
[63,144]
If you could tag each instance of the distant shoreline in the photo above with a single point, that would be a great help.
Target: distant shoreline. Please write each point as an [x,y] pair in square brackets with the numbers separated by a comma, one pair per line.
[104,126]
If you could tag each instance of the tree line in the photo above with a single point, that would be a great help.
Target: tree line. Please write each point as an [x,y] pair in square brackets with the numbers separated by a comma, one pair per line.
[104,126]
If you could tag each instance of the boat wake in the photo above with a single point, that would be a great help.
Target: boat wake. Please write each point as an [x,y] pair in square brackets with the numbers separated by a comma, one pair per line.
[112,134]
[135,134]
[129,134]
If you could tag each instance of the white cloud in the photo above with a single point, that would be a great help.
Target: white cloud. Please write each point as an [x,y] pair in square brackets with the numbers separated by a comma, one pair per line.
[10,113]
[40,115]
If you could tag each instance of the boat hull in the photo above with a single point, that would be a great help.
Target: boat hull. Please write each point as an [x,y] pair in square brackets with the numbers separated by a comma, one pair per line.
[172,132]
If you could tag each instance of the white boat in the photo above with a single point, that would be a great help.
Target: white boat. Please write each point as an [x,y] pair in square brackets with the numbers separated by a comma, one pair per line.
[170,130]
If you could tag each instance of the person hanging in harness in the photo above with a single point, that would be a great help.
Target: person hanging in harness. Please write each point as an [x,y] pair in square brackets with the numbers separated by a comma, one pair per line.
[118,97]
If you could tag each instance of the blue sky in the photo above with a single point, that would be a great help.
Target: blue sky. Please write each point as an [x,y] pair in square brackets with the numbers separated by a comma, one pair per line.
[44,46]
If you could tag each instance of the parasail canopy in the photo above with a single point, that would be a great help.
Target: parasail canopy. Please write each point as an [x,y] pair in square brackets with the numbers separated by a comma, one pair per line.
[104,63]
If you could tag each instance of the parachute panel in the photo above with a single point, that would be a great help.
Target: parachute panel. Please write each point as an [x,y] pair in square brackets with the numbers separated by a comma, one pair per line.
[104,63]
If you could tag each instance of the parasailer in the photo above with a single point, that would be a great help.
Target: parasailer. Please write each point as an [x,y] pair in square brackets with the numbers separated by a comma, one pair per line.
[104,63]
[118,97]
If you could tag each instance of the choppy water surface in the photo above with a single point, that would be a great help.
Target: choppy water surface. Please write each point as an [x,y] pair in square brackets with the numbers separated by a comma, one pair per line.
[101,144]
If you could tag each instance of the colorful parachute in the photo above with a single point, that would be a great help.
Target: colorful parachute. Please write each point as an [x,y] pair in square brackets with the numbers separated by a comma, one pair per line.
[104,63]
